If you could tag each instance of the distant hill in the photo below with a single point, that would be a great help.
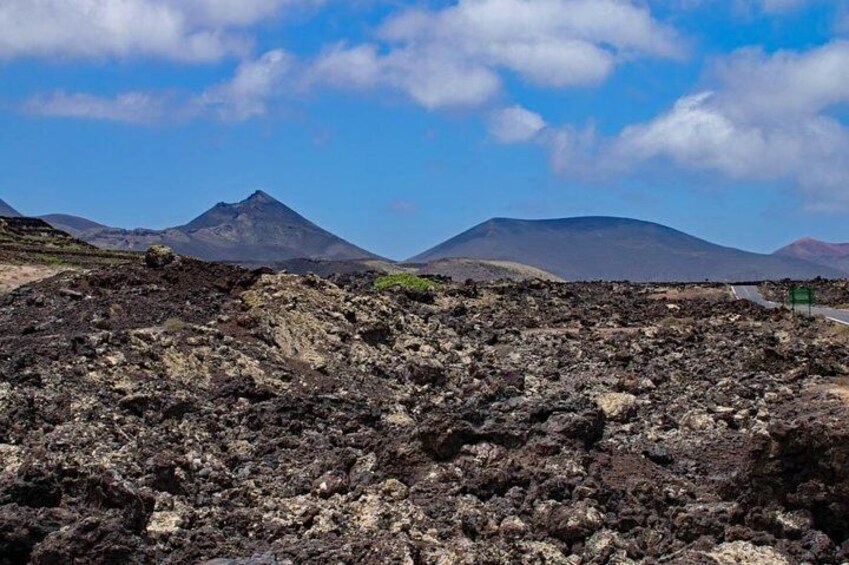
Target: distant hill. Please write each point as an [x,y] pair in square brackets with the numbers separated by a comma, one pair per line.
[602,248]
[834,255]
[73,225]
[8,211]
[457,269]
[259,230]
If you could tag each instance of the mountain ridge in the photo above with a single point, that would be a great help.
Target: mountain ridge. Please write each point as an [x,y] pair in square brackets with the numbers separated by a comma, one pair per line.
[614,248]
[258,229]
[262,230]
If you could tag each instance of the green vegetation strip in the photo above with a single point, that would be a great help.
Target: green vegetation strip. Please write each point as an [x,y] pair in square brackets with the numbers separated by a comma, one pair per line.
[404,280]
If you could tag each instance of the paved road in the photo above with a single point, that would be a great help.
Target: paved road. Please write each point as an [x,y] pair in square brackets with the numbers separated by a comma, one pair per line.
[752,294]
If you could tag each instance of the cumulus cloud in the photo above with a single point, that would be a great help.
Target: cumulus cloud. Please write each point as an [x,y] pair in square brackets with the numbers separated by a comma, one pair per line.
[767,120]
[131,107]
[701,132]
[255,84]
[448,57]
[184,30]
[515,124]
[248,93]
[455,56]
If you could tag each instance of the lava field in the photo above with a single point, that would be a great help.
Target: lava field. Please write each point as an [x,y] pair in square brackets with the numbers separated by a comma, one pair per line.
[202,413]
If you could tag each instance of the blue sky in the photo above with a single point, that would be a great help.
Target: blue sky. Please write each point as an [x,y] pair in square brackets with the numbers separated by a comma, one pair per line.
[398,124]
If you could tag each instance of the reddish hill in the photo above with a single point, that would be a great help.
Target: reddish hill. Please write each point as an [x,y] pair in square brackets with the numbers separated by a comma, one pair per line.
[835,255]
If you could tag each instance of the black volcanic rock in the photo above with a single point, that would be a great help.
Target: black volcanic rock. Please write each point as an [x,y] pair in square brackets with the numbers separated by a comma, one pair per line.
[8,211]
[601,248]
[259,229]
[507,423]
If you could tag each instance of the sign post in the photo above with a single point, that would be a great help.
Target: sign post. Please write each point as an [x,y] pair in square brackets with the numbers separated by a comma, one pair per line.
[802,295]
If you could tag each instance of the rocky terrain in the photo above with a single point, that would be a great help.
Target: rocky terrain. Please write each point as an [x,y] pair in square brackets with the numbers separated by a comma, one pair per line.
[187,412]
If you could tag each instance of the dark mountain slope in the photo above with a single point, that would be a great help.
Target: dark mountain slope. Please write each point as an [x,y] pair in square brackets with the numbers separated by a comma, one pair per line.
[7,211]
[73,225]
[259,229]
[601,248]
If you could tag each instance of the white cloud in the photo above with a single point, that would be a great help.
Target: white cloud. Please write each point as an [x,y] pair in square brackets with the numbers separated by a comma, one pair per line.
[700,132]
[430,80]
[767,120]
[248,93]
[347,67]
[131,107]
[454,56]
[515,125]
[255,84]
[449,57]
[184,30]
[785,84]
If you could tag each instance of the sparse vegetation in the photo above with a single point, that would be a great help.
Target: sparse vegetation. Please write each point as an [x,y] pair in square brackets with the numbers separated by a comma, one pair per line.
[405,280]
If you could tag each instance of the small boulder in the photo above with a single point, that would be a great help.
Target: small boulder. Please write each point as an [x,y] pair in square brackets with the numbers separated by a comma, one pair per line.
[159,256]
[617,406]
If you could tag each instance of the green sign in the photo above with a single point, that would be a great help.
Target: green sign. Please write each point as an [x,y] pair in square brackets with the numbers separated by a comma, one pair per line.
[802,296]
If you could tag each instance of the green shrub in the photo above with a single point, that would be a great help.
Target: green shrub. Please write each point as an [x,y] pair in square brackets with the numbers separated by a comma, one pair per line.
[404,280]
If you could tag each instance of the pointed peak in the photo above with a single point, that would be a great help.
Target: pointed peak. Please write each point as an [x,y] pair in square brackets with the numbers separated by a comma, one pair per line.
[260,196]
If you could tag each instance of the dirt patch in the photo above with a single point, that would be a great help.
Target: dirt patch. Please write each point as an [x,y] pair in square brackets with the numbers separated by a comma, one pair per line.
[14,276]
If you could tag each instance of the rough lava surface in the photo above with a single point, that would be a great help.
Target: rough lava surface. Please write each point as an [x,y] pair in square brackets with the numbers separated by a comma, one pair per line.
[201,413]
